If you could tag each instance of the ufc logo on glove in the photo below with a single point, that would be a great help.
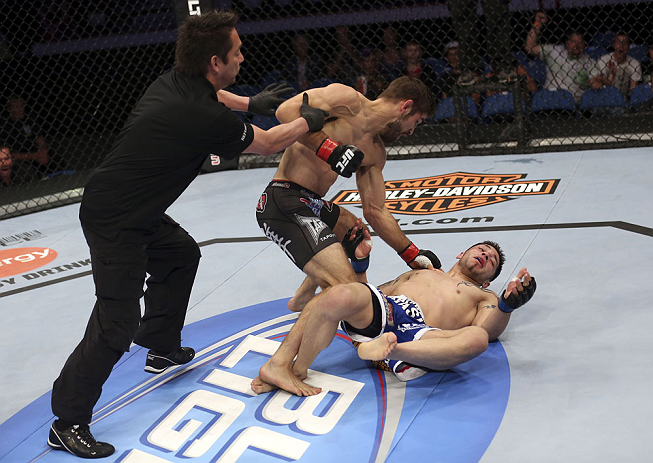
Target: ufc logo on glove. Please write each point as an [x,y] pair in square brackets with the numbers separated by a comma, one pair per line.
[346,157]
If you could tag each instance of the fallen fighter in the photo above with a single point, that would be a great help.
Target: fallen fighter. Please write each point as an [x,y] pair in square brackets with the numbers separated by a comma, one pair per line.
[424,320]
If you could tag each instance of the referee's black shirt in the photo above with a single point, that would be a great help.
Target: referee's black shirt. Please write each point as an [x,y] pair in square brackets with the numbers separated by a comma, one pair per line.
[160,150]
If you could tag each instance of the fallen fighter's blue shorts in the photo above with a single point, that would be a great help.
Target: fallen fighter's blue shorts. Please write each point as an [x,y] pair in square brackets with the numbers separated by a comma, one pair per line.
[396,314]
[402,316]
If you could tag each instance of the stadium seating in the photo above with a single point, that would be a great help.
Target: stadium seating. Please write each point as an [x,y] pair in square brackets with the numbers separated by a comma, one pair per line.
[499,104]
[640,94]
[552,100]
[605,97]
[445,109]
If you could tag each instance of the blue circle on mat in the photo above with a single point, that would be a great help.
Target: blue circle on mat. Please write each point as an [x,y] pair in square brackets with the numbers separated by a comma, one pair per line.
[204,411]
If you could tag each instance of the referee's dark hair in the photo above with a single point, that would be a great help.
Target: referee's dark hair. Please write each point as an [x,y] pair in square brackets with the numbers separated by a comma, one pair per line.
[201,37]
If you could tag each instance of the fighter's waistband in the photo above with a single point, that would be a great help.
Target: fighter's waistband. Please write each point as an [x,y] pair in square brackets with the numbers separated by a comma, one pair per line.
[293,186]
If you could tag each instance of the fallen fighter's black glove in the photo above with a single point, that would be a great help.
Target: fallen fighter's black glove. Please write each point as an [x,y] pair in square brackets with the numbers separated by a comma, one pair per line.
[314,116]
[515,301]
[422,257]
[265,102]
[343,159]
[359,265]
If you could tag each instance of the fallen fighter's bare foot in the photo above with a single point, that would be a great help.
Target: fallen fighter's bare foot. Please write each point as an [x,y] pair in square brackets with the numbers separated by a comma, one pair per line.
[378,349]
[271,377]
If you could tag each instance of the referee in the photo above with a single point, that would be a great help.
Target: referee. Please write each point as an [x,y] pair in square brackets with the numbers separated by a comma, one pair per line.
[183,117]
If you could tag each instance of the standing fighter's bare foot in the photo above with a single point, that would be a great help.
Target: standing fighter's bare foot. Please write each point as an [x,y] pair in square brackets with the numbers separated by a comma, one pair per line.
[378,349]
[299,301]
[260,387]
[273,376]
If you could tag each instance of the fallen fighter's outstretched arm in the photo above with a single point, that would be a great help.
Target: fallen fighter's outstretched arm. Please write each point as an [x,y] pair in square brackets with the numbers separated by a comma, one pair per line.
[494,312]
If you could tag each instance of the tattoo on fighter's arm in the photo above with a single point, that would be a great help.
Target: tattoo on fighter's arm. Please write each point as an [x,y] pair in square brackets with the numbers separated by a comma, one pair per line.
[467,283]
[490,306]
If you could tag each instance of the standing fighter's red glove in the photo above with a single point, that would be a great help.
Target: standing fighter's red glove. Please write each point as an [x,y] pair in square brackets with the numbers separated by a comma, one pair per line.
[422,258]
[343,159]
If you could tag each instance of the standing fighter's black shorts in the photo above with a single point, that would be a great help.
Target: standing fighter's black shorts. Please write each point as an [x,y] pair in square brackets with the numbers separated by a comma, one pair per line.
[298,220]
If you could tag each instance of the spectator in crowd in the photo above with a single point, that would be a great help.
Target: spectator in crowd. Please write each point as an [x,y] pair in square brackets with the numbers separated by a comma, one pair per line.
[452,71]
[567,66]
[6,165]
[332,72]
[618,68]
[647,68]
[449,78]
[390,54]
[531,84]
[518,70]
[9,175]
[416,67]
[370,82]
[497,14]
[344,64]
[304,67]
[647,72]
[25,138]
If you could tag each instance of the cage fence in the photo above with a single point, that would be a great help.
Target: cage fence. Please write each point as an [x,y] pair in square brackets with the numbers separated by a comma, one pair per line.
[516,76]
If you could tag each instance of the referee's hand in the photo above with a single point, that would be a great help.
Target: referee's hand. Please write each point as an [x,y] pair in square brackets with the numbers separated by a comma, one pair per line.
[265,103]
[314,116]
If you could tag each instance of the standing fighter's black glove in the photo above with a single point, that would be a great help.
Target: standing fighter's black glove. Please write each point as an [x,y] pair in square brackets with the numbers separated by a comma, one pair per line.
[515,301]
[422,257]
[266,102]
[314,116]
[343,159]
[359,264]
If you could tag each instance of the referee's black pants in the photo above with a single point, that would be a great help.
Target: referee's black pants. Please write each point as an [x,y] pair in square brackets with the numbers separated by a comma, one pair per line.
[170,256]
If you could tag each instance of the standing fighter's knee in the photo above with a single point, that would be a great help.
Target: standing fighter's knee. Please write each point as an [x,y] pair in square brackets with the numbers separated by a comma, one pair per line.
[339,300]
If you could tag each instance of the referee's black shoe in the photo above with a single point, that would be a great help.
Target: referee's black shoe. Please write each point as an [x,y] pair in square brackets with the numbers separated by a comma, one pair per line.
[158,362]
[78,440]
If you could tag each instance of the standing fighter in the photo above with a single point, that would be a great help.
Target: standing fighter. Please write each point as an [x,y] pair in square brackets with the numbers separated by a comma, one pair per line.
[292,213]
[182,118]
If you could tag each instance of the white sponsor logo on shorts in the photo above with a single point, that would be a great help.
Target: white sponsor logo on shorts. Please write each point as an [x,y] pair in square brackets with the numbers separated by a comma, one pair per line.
[326,237]
[313,225]
[280,241]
